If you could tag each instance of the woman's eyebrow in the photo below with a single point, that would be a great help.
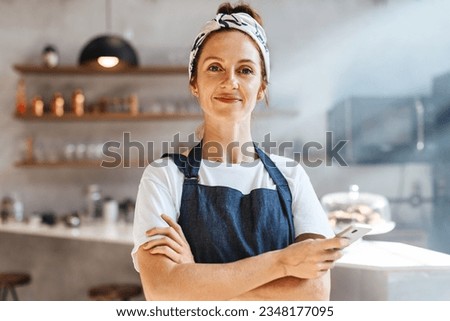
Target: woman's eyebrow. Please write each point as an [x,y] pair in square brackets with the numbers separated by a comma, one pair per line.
[247,61]
[213,58]
[220,59]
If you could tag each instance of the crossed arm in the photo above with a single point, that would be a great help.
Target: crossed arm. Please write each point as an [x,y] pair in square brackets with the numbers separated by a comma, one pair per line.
[297,272]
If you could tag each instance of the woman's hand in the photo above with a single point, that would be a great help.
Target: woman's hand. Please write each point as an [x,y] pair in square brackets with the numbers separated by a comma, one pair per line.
[311,258]
[172,243]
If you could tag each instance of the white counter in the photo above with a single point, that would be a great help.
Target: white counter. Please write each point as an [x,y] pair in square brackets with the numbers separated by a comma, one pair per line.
[375,270]
[377,255]
[97,231]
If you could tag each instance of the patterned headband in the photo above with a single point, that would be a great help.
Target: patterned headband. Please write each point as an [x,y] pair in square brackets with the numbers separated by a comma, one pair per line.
[240,21]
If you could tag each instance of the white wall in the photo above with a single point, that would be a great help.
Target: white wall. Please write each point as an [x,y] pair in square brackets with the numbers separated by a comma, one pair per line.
[322,51]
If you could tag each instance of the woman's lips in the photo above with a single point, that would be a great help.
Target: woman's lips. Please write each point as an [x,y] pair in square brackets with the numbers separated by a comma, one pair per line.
[228,99]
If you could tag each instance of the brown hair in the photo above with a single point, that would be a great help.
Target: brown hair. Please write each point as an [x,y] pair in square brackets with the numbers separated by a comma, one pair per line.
[227,8]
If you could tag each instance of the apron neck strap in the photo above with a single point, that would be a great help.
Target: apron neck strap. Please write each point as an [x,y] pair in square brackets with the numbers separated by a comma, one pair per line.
[189,165]
[193,161]
[271,168]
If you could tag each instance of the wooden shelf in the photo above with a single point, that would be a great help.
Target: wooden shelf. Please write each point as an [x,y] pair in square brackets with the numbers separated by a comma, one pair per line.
[80,164]
[139,117]
[109,117]
[76,164]
[79,70]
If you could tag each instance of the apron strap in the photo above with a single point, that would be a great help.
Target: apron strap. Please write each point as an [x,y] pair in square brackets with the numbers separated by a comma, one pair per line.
[189,165]
[283,189]
[273,171]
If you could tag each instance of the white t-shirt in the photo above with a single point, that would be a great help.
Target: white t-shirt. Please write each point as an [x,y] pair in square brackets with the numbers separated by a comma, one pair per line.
[161,188]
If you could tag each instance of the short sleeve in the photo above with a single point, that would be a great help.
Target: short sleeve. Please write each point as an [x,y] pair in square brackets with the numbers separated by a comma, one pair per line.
[157,194]
[309,216]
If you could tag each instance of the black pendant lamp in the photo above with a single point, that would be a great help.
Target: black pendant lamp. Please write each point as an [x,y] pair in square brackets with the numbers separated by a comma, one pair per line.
[108,51]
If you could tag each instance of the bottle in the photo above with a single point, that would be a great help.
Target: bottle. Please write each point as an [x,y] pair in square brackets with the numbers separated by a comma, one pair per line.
[133,102]
[6,209]
[58,104]
[38,106]
[78,102]
[21,98]
[12,207]
[93,202]
[110,211]
[18,210]
[27,151]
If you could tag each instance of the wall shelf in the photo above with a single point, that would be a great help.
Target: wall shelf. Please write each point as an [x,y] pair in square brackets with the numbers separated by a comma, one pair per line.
[48,164]
[138,117]
[83,164]
[79,70]
[108,117]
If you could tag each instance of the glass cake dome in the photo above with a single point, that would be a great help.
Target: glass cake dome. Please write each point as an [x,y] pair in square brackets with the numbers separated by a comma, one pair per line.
[349,207]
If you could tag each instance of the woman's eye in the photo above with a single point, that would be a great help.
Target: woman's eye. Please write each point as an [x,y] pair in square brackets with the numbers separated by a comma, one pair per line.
[213,68]
[246,71]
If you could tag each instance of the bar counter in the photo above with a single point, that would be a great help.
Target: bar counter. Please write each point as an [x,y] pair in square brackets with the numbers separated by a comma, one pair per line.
[120,233]
[65,262]
[390,271]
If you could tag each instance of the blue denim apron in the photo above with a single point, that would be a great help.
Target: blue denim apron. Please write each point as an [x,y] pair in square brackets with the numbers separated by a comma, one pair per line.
[223,225]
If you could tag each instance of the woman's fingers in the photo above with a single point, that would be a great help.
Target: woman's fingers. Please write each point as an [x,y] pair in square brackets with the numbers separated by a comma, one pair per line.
[169,248]
[168,252]
[323,250]
[166,231]
[311,258]
[171,222]
[167,241]
[330,249]
[331,255]
[334,243]
[174,230]
[170,242]
[174,225]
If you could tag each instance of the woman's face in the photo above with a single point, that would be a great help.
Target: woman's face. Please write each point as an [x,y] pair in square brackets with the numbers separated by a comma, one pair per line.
[229,81]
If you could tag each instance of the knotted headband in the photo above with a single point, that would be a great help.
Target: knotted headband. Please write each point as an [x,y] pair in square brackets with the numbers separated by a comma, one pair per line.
[240,21]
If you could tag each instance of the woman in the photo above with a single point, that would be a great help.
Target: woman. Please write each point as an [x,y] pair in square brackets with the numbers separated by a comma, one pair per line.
[228,221]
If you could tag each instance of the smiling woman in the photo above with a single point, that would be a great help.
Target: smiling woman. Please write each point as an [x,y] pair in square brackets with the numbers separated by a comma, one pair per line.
[229,85]
[227,221]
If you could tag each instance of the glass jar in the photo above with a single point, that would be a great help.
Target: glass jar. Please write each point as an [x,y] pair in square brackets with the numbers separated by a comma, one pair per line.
[94,205]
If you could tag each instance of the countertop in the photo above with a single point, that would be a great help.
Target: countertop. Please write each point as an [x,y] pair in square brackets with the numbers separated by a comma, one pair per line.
[390,271]
[379,255]
[375,255]
[93,231]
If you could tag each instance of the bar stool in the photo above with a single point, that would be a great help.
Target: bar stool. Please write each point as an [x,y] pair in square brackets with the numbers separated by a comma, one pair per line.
[111,292]
[9,281]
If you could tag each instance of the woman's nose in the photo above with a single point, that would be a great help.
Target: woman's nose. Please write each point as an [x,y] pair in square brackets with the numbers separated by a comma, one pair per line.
[230,80]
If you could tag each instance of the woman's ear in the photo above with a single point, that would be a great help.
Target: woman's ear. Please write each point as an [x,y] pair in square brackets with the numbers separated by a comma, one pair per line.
[194,89]
[261,92]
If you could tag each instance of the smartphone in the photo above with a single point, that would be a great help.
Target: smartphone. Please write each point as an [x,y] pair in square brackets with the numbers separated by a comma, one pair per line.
[354,231]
